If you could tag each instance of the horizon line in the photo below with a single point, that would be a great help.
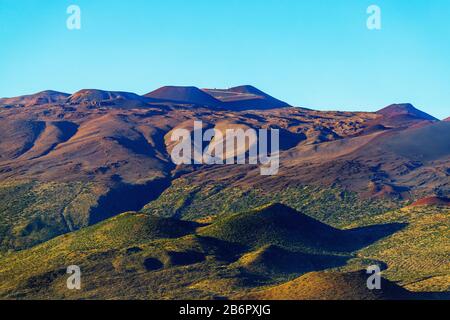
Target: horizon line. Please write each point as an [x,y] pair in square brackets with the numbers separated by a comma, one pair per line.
[315,108]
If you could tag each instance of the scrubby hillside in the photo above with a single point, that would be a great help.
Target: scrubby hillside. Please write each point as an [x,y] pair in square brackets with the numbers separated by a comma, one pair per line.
[431,201]
[330,286]
[143,256]
[71,166]
[417,255]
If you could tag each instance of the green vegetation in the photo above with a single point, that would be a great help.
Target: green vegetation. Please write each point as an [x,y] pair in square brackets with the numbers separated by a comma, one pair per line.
[333,206]
[417,256]
[276,225]
[32,212]
[330,286]
[226,250]
[141,256]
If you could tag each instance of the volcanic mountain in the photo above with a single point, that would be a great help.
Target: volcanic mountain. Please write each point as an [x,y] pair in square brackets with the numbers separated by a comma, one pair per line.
[397,163]
[94,95]
[404,114]
[246,98]
[184,95]
[431,201]
[109,152]
[44,97]
[330,286]
[237,98]
[90,177]
[404,109]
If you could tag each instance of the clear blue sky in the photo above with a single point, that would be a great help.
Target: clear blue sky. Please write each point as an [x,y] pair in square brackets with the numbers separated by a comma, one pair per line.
[314,53]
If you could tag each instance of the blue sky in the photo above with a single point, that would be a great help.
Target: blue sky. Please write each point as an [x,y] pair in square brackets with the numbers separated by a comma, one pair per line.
[313,53]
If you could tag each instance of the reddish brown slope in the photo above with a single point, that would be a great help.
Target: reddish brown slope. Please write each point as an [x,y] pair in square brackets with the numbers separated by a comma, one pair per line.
[95,98]
[388,163]
[246,98]
[403,115]
[432,201]
[119,150]
[90,95]
[44,97]
[99,148]
[79,141]
[53,134]
[404,109]
[18,136]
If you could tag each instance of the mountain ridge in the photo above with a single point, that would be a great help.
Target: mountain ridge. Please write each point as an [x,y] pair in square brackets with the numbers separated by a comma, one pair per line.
[404,109]
[184,95]
[246,97]
[88,180]
[42,97]
[96,95]
[194,95]
[110,156]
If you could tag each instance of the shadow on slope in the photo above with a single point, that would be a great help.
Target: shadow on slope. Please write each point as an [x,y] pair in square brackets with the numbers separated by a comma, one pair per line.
[54,133]
[127,197]
[275,260]
[277,224]
[257,248]
[331,286]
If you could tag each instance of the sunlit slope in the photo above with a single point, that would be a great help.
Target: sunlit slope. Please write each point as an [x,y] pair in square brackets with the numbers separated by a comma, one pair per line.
[31,212]
[278,224]
[330,286]
[417,256]
[334,206]
[142,256]
[100,250]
